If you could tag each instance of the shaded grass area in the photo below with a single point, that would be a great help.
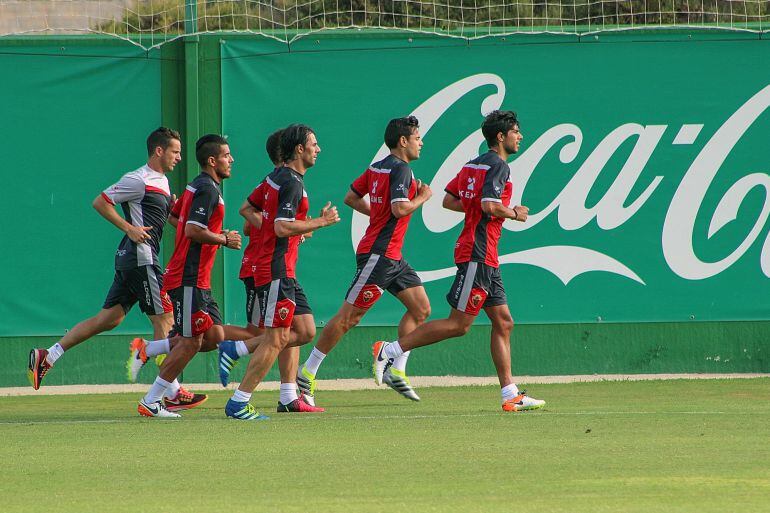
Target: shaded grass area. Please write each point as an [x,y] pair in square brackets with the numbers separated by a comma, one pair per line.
[622,447]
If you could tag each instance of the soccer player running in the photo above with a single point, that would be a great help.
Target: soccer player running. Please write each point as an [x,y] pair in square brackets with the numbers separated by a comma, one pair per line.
[280,296]
[199,235]
[482,190]
[241,341]
[146,201]
[394,195]
[303,326]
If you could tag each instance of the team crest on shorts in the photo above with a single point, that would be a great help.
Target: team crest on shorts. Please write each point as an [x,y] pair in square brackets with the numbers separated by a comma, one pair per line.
[475,300]
[199,322]
[368,295]
[283,313]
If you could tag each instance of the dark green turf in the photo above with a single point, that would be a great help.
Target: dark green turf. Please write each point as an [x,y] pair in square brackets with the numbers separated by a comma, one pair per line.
[673,446]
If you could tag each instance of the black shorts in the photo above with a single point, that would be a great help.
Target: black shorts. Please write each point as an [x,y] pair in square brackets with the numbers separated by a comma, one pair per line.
[195,311]
[141,284]
[279,301]
[252,305]
[476,286]
[376,273]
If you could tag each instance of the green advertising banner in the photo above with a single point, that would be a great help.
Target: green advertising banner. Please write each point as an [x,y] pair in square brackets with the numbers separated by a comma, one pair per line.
[644,165]
[75,118]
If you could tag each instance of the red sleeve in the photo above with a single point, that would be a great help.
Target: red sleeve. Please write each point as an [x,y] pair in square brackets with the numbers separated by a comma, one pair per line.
[453,187]
[361,184]
[256,197]
[176,210]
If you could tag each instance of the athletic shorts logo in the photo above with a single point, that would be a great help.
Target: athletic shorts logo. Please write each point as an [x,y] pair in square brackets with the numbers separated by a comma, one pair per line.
[475,300]
[199,323]
[283,313]
[368,295]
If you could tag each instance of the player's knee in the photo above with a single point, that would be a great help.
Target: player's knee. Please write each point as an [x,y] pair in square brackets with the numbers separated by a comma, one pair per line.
[278,343]
[349,322]
[208,345]
[188,345]
[110,322]
[460,328]
[505,325]
[306,334]
[422,313]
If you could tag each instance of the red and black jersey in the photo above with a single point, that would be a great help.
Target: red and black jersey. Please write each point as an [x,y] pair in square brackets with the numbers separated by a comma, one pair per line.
[202,205]
[485,178]
[283,199]
[386,182]
[248,262]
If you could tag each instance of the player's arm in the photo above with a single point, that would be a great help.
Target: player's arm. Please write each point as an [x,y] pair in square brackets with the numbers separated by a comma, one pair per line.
[201,235]
[452,202]
[126,189]
[250,213]
[400,183]
[404,208]
[357,202]
[355,197]
[289,228]
[173,215]
[495,209]
[286,223]
[491,196]
[196,228]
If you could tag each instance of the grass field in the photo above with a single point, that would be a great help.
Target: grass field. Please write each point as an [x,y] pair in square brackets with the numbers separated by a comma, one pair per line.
[673,446]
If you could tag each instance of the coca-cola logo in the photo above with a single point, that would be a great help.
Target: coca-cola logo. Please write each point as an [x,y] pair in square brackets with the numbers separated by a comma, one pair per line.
[617,205]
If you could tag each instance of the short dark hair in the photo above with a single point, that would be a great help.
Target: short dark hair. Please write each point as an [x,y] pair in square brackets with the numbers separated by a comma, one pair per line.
[208,146]
[398,127]
[497,121]
[273,147]
[162,137]
[291,136]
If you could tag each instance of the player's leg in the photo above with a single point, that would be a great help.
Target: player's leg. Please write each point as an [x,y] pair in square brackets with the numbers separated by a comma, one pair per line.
[302,331]
[178,398]
[275,339]
[107,319]
[409,290]
[240,341]
[500,342]
[364,292]
[466,296]
[496,308]
[153,404]
[456,325]
[118,302]
[345,319]
[276,304]
[161,325]
[41,360]
[513,399]
[194,314]
[157,306]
